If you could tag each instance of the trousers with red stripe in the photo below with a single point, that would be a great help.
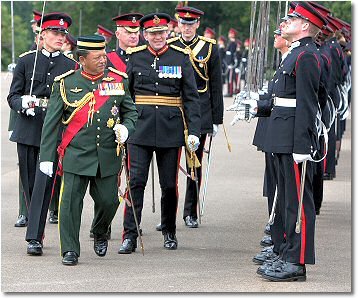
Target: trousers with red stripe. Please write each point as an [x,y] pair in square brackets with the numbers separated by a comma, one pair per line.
[297,247]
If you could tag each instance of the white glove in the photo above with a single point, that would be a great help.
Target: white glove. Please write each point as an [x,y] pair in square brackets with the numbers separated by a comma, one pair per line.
[121,133]
[215,130]
[299,158]
[193,143]
[254,95]
[30,111]
[10,133]
[253,106]
[28,101]
[47,168]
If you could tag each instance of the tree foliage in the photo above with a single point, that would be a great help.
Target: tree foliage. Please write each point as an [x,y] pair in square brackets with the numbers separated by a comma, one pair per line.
[86,15]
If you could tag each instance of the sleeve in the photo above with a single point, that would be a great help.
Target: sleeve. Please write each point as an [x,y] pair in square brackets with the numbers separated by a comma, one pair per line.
[307,86]
[129,71]
[190,96]
[215,81]
[17,87]
[129,113]
[52,124]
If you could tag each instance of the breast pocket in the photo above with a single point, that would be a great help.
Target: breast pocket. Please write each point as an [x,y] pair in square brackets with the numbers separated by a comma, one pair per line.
[143,77]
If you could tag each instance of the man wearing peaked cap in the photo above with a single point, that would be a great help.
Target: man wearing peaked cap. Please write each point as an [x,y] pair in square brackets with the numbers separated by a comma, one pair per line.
[163,87]
[31,110]
[292,137]
[128,35]
[290,10]
[232,62]
[69,46]
[106,33]
[36,17]
[210,33]
[205,61]
[98,114]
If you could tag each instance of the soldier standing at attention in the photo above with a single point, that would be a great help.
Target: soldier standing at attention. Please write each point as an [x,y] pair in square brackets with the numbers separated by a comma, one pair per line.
[31,113]
[205,61]
[162,83]
[98,113]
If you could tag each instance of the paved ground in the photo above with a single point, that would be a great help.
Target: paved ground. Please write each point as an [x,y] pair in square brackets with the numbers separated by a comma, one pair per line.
[213,258]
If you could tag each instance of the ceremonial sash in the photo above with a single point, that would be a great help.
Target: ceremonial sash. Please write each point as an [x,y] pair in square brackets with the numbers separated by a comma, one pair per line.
[117,61]
[78,121]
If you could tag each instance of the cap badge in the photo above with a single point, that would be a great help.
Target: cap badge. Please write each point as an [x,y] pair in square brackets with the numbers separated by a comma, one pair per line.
[134,20]
[156,20]
[187,15]
[62,22]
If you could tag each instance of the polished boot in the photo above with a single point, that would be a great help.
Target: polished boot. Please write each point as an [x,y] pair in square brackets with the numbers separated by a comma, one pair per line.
[266,241]
[70,258]
[21,221]
[286,272]
[100,245]
[128,246]
[267,230]
[53,218]
[266,254]
[170,241]
[34,247]
[269,264]
[191,222]
[158,227]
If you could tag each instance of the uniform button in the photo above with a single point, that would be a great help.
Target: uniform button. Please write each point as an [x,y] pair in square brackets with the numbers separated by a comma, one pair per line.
[97,144]
[97,136]
[92,82]
[97,111]
[93,89]
[156,94]
[43,109]
[284,72]
[98,119]
[98,128]
[139,73]
[156,83]
[51,62]
[48,85]
[156,107]
[48,74]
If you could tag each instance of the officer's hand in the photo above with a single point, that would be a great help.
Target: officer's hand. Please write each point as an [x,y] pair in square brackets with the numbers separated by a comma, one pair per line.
[299,158]
[240,115]
[254,95]
[10,133]
[121,133]
[30,112]
[252,105]
[215,130]
[47,168]
[193,143]
[28,101]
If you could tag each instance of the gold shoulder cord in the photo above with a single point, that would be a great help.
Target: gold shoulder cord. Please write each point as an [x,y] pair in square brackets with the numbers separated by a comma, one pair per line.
[87,97]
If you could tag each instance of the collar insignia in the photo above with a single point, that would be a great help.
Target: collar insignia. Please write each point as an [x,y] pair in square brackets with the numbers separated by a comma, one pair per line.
[108,79]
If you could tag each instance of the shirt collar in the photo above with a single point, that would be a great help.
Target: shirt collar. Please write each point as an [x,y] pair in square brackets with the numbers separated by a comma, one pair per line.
[50,54]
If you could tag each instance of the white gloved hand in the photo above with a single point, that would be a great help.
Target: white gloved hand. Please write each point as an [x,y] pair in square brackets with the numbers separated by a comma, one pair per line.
[121,133]
[28,101]
[30,111]
[299,158]
[215,130]
[252,106]
[254,95]
[10,133]
[193,143]
[47,168]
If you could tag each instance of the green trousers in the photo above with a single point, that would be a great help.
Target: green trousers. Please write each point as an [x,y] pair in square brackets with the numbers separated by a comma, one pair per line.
[73,189]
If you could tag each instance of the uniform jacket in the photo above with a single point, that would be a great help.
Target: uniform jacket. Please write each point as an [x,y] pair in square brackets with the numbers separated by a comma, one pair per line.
[293,129]
[207,70]
[117,54]
[162,126]
[231,53]
[94,145]
[27,129]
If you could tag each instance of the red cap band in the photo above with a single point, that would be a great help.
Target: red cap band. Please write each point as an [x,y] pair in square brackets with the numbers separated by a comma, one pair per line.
[54,23]
[154,23]
[127,23]
[187,14]
[310,16]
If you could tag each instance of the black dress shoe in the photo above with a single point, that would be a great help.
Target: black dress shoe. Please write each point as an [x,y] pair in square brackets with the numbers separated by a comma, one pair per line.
[53,218]
[266,241]
[191,222]
[158,227]
[128,246]
[286,272]
[317,211]
[100,245]
[268,264]
[109,232]
[267,230]
[70,258]
[21,221]
[170,241]
[328,176]
[264,255]
[34,247]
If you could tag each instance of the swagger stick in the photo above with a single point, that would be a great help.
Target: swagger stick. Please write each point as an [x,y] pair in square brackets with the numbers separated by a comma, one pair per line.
[302,189]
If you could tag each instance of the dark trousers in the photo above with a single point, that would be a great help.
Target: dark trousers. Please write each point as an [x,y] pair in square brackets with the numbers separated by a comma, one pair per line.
[298,247]
[277,228]
[28,157]
[191,195]
[167,163]
[231,81]
[330,160]
[23,208]
[73,190]
[43,190]
[318,184]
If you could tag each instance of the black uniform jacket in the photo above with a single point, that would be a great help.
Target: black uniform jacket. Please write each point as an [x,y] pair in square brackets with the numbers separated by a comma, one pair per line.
[293,129]
[114,56]
[162,126]
[27,129]
[207,70]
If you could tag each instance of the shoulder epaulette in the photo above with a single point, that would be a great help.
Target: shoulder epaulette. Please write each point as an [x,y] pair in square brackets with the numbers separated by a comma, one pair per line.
[118,72]
[209,40]
[59,77]
[131,50]
[70,56]
[173,39]
[25,53]
[185,51]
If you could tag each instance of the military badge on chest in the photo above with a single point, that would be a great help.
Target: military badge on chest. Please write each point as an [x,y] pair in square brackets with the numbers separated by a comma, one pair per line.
[111,89]
[115,119]
[169,71]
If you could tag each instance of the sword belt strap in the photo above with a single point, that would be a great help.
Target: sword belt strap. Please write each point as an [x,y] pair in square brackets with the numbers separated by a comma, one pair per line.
[158,100]
[284,102]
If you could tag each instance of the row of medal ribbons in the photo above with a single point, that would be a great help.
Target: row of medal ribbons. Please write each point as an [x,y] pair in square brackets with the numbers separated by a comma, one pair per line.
[111,89]
[169,71]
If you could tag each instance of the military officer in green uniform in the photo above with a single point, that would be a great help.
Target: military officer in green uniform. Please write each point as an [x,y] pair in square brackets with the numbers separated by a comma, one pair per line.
[98,113]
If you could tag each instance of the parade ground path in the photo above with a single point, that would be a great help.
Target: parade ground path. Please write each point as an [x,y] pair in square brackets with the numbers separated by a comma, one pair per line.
[216,257]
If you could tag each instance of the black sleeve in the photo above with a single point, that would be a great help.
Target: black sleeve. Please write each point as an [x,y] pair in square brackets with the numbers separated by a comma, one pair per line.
[17,88]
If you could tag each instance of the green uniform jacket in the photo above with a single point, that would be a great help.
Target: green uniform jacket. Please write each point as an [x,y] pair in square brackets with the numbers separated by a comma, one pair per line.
[94,145]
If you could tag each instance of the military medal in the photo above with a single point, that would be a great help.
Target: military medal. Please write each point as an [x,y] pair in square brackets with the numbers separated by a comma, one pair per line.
[110,123]
[109,89]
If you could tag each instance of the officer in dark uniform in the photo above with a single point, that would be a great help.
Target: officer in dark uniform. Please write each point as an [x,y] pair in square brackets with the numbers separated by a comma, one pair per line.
[205,60]
[69,47]
[31,106]
[127,34]
[293,139]
[162,83]
[231,61]
[98,113]
[107,34]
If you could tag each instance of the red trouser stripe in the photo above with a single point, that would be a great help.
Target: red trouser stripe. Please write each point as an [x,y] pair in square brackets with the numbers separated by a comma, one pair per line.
[303,223]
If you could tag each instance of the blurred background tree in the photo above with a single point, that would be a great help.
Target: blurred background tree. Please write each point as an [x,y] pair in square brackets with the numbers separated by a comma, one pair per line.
[86,15]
